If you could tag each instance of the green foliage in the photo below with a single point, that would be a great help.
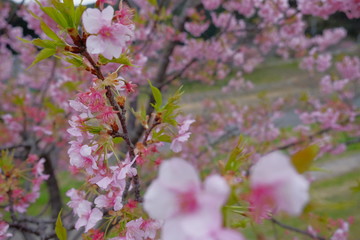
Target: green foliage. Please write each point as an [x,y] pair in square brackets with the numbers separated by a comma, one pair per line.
[94,129]
[153,3]
[74,59]
[169,111]
[161,136]
[303,159]
[117,140]
[19,100]
[64,13]
[236,157]
[123,59]
[157,96]
[59,228]
[6,161]
[43,54]
[67,17]
[53,109]
[71,86]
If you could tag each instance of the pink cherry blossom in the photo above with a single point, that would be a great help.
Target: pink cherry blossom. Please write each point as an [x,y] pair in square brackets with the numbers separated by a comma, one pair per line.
[183,135]
[87,217]
[196,29]
[211,4]
[110,200]
[342,233]
[191,210]
[4,234]
[133,231]
[108,39]
[275,183]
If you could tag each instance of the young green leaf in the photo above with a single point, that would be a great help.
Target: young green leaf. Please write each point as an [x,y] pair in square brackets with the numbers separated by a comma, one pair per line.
[43,54]
[44,43]
[123,59]
[78,13]
[157,96]
[153,2]
[303,159]
[60,229]
[50,33]
[117,140]
[236,157]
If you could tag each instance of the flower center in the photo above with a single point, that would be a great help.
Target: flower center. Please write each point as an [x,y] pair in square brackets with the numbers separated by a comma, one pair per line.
[188,202]
[106,32]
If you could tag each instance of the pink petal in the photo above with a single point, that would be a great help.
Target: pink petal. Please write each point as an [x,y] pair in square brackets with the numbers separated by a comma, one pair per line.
[170,231]
[176,146]
[95,216]
[92,20]
[95,44]
[107,15]
[217,188]
[85,151]
[178,174]
[101,201]
[104,183]
[159,207]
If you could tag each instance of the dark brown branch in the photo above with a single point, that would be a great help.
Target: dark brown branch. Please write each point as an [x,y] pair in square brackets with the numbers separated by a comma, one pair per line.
[293,229]
[53,187]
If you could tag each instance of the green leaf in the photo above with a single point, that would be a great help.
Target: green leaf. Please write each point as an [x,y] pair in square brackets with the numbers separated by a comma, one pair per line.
[71,86]
[19,100]
[56,16]
[123,59]
[78,13]
[117,140]
[74,59]
[43,54]
[69,4]
[157,96]
[6,161]
[303,159]
[43,43]
[237,156]
[67,12]
[59,228]
[49,32]
[164,138]
[169,111]
[53,109]
[94,129]
[153,3]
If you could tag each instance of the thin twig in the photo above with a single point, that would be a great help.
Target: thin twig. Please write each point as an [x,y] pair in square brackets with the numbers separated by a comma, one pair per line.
[293,229]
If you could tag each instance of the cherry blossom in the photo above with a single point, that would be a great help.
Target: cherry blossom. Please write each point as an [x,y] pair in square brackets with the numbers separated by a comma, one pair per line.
[178,197]
[276,184]
[4,234]
[109,38]
[88,217]
[182,136]
[342,233]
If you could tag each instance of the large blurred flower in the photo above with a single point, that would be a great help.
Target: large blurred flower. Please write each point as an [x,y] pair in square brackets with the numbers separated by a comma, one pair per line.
[190,210]
[109,38]
[277,186]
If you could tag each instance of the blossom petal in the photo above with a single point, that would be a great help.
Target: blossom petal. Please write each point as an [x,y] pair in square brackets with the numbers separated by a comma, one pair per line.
[178,174]
[92,20]
[95,44]
[95,216]
[159,207]
[217,188]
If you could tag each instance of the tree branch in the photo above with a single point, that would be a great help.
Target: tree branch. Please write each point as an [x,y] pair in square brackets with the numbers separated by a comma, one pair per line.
[293,229]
